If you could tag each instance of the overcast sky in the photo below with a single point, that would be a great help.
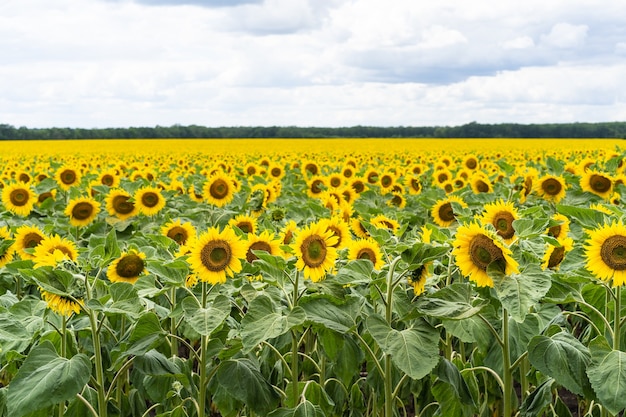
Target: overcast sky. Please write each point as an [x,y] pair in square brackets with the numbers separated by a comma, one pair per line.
[119,63]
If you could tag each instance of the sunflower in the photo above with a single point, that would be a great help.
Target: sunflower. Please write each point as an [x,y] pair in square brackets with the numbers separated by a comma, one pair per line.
[356,224]
[67,177]
[315,186]
[181,233]
[340,229]
[52,249]
[195,195]
[417,278]
[597,183]
[606,252]
[335,180]
[384,222]
[480,183]
[471,162]
[550,188]
[6,242]
[109,178]
[310,168]
[413,184]
[386,181]
[560,230]
[501,215]
[60,304]
[128,267]
[555,254]
[358,185]
[244,222]
[82,211]
[120,204]
[149,200]
[216,254]
[26,238]
[397,200]
[314,251]
[46,195]
[266,241]
[366,249]
[443,212]
[475,248]
[19,199]
[219,189]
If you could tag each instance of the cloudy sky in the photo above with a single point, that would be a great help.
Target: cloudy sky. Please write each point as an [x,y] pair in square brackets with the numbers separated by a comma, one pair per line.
[119,63]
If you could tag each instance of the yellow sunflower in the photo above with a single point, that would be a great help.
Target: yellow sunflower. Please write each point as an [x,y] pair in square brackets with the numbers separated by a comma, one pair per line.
[315,186]
[356,224]
[26,239]
[6,242]
[46,195]
[120,204]
[417,278]
[63,305]
[385,222]
[67,177]
[340,229]
[480,183]
[52,249]
[19,199]
[216,254]
[501,215]
[179,232]
[128,267]
[366,249]
[314,251]
[475,248]
[149,200]
[605,252]
[397,200]
[358,185]
[443,212]
[82,211]
[266,241]
[471,162]
[597,183]
[555,254]
[413,184]
[219,189]
[108,178]
[560,230]
[550,187]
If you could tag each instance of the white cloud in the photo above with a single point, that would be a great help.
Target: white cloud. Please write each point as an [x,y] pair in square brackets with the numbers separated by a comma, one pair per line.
[565,35]
[520,42]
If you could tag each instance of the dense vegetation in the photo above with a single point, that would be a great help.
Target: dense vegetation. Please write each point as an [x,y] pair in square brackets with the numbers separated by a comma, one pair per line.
[470,130]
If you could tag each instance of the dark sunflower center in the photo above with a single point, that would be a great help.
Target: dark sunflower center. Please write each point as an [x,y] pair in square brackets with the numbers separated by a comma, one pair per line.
[599,183]
[358,186]
[347,173]
[528,185]
[63,249]
[366,253]
[335,182]
[150,199]
[313,251]
[371,177]
[386,181]
[24,177]
[219,189]
[215,255]
[276,172]
[556,257]
[443,177]
[613,252]
[555,231]
[551,186]
[107,180]
[68,177]
[446,213]
[130,266]
[251,170]
[503,222]
[471,163]
[245,227]
[82,211]
[19,197]
[336,232]
[483,251]
[288,237]
[121,204]
[178,234]
[397,200]
[43,196]
[31,240]
[316,186]
[257,246]
[311,168]
[415,184]
[482,186]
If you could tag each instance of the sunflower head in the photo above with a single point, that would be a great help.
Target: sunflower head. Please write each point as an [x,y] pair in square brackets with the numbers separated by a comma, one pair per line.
[366,249]
[219,189]
[315,252]
[120,204]
[179,232]
[551,188]
[128,267]
[597,183]
[554,255]
[27,238]
[19,198]
[264,242]
[82,211]
[605,252]
[443,210]
[216,254]
[501,215]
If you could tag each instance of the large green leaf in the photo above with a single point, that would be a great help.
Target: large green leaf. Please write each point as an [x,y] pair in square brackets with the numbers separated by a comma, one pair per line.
[562,357]
[519,292]
[13,334]
[146,334]
[206,320]
[586,217]
[453,302]
[451,391]
[45,379]
[529,228]
[243,380]
[321,310]
[607,374]
[535,403]
[415,350]
[304,409]
[264,321]
[355,272]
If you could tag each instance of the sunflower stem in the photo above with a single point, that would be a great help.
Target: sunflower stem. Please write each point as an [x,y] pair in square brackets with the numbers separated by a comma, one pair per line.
[294,346]
[102,403]
[389,396]
[61,411]
[507,378]
[617,321]
[202,363]
[173,341]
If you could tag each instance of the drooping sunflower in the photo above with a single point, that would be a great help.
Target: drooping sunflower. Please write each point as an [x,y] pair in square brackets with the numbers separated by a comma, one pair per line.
[216,254]
[501,215]
[52,249]
[554,255]
[19,198]
[82,211]
[605,252]
[366,249]
[598,183]
[382,221]
[340,229]
[443,212]
[219,189]
[27,238]
[550,188]
[314,251]
[417,278]
[67,177]
[265,241]
[356,224]
[6,242]
[413,184]
[63,305]
[120,204]
[149,200]
[475,248]
[128,267]
[179,232]
[560,230]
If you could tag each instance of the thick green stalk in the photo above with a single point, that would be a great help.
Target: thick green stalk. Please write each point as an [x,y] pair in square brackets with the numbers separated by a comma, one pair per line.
[63,355]
[617,321]
[95,334]
[295,389]
[389,397]
[507,378]
[202,363]
[173,340]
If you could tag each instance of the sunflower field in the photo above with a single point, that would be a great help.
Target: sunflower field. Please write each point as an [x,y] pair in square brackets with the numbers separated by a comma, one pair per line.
[330,277]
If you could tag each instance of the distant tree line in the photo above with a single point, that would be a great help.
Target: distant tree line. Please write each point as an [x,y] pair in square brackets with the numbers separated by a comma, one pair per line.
[471,130]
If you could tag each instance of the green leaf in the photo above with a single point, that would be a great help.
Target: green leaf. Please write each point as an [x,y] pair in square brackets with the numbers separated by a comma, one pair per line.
[586,217]
[519,292]
[415,350]
[447,372]
[563,358]
[355,272]
[273,268]
[155,363]
[146,334]
[264,321]
[538,400]
[124,300]
[529,228]
[13,335]
[206,320]
[453,302]
[607,374]
[173,273]
[45,379]
[243,380]
[321,310]
[304,409]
